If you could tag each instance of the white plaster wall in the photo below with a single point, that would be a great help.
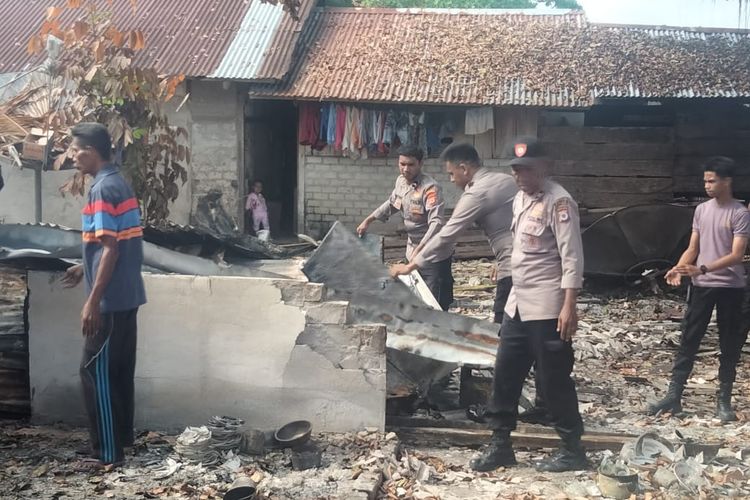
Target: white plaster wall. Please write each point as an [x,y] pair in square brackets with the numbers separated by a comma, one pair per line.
[17,198]
[207,346]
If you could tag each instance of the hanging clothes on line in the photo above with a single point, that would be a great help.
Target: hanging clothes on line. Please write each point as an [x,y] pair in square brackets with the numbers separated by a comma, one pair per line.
[309,126]
[323,127]
[479,120]
[331,125]
[340,127]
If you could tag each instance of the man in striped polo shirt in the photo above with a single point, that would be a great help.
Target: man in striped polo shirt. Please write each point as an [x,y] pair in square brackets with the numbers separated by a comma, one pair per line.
[112,258]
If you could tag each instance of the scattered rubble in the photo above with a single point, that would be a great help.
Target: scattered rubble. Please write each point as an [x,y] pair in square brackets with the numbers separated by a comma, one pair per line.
[40,462]
[625,348]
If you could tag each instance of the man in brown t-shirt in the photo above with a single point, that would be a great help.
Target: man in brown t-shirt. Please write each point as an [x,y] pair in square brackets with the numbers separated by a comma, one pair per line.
[713,260]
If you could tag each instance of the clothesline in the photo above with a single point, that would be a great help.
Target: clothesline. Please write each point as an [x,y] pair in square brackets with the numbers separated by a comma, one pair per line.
[361,132]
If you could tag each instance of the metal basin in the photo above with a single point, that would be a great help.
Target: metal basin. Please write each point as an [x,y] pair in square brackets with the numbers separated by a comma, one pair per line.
[243,488]
[294,433]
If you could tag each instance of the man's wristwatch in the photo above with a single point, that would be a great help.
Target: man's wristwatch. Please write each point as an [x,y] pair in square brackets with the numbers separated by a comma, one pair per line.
[703,269]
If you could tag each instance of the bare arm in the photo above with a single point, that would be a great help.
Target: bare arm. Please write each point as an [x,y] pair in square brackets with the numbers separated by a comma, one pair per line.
[440,247]
[73,275]
[567,322]
[688,258]
[690,255]
[739,244]
[382,213]
[91,314]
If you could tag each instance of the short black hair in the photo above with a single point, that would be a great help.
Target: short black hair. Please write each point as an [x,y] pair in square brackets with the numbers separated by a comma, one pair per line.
[720,165]
[257,181]
[462,152]
[411,151]
[96,136]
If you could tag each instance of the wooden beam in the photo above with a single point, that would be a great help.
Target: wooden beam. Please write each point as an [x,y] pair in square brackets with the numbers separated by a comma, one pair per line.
[693,165]
[694,184]
[610,151]
[580,185]
[730,146]
[443,438]
[606,134]
[614,168]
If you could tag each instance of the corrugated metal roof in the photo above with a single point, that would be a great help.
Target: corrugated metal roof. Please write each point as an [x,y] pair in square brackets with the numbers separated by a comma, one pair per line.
[496,58]
[262,48]
[277,60]
[186,36]
[247,50]
[226,38]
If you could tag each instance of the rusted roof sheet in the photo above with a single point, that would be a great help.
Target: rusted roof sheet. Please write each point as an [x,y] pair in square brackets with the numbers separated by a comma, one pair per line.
[495,58]
[227,38]
[182,37]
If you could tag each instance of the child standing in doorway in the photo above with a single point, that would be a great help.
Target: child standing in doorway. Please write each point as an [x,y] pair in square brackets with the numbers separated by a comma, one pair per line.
[256,204]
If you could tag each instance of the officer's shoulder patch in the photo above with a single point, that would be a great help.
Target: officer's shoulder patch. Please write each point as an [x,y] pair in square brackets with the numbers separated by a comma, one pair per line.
[562,209]
[431,196]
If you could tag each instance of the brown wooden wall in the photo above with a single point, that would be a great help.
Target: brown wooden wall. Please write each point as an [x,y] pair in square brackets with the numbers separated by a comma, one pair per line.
[612,167]
[699,136]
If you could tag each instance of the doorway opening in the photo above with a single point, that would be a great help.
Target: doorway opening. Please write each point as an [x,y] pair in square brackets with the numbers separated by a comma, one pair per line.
[271,158]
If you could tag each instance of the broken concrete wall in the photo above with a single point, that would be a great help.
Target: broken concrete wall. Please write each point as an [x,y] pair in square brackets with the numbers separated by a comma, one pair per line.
[268,351]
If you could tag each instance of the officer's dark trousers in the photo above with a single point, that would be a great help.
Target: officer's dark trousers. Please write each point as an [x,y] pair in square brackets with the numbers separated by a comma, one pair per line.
[523,343]
[501,297]
[502,292]
[700,306]
[107,372]
[439,279]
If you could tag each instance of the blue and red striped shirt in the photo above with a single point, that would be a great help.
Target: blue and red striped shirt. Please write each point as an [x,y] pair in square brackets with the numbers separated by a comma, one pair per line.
[112,210]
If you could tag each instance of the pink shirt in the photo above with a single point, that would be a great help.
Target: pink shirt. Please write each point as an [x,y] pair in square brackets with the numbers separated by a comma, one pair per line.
[717,225]
[256,202]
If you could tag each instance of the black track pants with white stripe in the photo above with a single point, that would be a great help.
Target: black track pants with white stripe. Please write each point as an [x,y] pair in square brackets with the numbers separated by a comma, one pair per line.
[107,373]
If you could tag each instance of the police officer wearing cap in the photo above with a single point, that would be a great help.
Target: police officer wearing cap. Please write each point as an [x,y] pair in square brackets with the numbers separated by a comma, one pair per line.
[540,315]
[420,200]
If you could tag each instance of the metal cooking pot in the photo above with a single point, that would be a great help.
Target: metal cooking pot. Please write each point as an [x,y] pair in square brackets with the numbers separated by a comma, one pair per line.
[294,433]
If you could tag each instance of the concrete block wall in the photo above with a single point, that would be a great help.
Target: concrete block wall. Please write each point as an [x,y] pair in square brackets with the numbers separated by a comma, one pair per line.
[348,190]
[268,351]
[215,135]
[17,203]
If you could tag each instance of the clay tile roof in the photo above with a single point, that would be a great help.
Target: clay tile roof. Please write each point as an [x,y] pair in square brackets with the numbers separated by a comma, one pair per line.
[440,56]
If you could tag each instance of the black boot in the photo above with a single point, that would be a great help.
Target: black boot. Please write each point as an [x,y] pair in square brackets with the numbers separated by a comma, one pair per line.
[570,456]
[671,403]
[498,454]
[724,403]
[537,415]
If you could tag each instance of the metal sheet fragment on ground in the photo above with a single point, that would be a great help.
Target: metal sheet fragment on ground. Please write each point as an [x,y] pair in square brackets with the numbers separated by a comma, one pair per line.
[351,273]
[57,244]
